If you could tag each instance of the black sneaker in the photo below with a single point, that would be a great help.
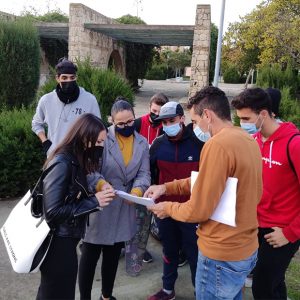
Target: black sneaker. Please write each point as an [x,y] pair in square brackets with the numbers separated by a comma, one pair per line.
[182,259]
[147,257]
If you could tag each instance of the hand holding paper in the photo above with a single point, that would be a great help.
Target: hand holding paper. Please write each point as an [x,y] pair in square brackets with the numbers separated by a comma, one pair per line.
[135,199]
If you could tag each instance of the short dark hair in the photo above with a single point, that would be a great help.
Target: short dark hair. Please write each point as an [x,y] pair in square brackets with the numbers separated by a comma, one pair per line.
[255,98]
[121,104]
[159,99]
[211,98]
[275,97]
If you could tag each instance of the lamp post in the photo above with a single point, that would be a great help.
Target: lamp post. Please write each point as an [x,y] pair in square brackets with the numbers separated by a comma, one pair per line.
[219,46]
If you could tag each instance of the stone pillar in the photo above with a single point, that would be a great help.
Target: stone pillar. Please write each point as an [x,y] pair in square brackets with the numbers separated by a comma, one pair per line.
[85,43]
[201,49]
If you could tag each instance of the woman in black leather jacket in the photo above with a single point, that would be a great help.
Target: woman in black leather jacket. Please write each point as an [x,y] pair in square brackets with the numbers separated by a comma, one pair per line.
[67,203]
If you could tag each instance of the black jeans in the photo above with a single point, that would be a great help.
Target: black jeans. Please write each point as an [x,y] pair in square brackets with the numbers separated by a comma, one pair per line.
[269,272]
[59,270]
[90,254]
[177,235]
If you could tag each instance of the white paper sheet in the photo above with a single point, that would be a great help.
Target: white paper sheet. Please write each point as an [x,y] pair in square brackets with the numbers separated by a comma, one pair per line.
[135,199]
[226,210]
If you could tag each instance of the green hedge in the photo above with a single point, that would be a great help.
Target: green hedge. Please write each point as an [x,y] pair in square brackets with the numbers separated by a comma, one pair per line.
[289,109]
[20,152]
[106,85]
[287,81]
[157,72]
[19,63]
[276,77]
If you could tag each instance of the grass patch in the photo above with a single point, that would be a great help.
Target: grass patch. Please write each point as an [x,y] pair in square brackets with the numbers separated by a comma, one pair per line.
[293,278]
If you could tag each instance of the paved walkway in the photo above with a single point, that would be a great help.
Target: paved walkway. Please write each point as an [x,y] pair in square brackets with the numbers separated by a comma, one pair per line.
[24,286]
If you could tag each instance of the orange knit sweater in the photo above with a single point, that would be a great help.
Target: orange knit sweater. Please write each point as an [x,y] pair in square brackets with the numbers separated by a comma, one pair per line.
[230,153]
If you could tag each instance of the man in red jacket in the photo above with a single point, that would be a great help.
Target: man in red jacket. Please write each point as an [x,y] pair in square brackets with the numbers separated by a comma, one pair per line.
[279,209]
[147,125]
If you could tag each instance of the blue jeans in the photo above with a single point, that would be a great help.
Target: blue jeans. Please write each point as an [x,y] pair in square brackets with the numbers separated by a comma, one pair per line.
[222,279]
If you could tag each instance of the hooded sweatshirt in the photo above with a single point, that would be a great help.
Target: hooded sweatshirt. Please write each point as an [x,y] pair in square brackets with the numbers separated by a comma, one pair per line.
[58,117]
[147,129]
[280,202]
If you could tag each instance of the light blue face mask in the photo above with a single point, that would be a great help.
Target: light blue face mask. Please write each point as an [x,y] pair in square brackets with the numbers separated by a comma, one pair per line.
[249,127]
[172,130]
[202,136]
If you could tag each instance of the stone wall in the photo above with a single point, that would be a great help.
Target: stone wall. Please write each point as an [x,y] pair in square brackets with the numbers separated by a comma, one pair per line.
[86,43]
[201,49]
[7,17]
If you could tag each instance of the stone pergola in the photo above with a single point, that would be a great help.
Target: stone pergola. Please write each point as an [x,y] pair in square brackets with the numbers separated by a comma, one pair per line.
[91,34]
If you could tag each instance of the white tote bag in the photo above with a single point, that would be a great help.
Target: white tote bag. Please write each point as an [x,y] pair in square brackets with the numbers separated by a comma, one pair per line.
[26,238]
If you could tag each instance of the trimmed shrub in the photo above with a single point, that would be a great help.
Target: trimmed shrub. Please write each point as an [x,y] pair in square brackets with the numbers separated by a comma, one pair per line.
[19,63]
[289,109]
[231,75]
[106,85]
[157,72]
[20,152]
[274,76]
[288,82]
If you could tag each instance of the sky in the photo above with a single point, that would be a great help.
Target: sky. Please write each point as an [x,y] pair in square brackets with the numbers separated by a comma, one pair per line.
[153,12]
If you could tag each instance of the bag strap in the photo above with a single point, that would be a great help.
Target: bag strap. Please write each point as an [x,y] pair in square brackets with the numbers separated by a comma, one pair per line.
[40,180]
[288,153]
[43,175]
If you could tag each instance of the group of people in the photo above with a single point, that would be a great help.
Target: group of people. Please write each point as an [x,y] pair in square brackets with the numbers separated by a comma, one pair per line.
[90,164]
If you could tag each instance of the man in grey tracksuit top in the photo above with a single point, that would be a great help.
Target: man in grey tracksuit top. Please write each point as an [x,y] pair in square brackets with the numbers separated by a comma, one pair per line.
[58,109]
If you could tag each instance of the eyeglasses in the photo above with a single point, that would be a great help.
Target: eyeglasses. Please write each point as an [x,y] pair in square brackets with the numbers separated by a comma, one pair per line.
[125,124]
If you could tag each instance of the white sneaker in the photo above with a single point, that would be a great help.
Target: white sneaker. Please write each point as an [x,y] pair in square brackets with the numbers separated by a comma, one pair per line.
[248,282]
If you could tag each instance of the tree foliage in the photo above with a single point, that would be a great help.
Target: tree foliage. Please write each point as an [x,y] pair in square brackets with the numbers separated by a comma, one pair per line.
[54,48]
[138,56]
[177,60]
[52,16]
[213,50]
[267,35]
[19,63]
[129,19]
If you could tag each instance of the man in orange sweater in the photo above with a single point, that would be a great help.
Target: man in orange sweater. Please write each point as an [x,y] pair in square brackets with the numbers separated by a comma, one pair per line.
[226,254]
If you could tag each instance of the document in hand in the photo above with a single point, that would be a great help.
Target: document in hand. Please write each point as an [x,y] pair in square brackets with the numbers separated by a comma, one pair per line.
[226,209]
[135,199]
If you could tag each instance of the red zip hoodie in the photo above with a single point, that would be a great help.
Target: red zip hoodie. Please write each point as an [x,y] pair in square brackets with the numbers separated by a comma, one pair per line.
[280,202]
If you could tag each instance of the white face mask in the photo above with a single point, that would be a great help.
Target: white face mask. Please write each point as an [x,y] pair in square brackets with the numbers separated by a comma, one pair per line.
[202,136]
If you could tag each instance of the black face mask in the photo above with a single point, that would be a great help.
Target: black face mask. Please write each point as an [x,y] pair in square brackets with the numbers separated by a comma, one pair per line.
[126,131]
[64,94]
[153,118]
[94,153]
[69,87]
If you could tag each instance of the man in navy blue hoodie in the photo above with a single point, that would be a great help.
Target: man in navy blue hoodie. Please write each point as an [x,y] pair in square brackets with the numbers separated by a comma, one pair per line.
[174,155]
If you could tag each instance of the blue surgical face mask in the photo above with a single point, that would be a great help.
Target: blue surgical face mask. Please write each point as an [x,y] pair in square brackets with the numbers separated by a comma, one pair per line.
[172,130]
[202,136]
[249,127]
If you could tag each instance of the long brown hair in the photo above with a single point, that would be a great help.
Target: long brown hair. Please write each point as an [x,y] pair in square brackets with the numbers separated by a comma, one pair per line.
[85,130]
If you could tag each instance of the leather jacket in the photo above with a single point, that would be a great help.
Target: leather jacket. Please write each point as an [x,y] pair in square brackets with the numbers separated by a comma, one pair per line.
[66,201]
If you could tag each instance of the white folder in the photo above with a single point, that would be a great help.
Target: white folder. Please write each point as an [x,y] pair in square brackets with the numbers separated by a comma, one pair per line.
[225,211]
